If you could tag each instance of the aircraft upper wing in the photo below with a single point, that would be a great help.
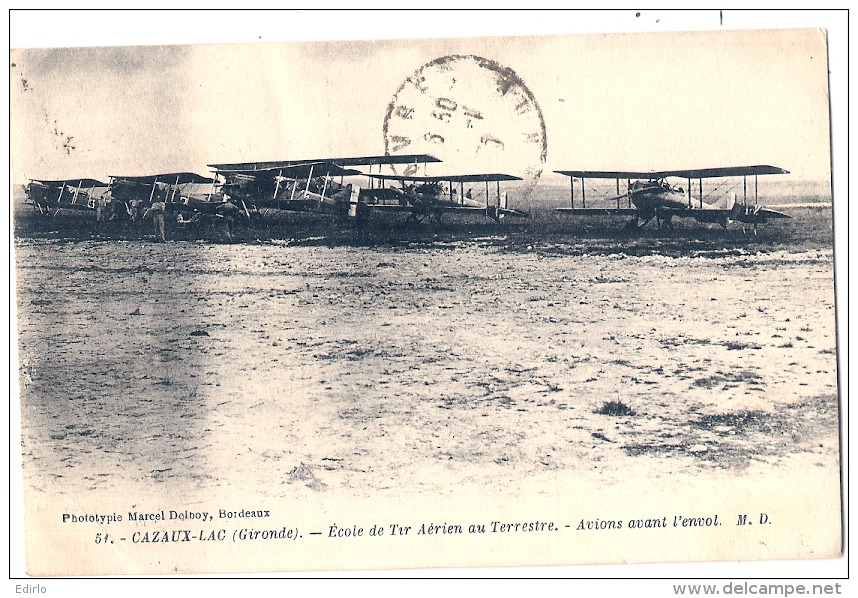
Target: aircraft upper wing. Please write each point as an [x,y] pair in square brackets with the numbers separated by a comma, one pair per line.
[171,178]
[347,161]
[699,173]
[455,178]
[611,174]
[296,171]
[703,173]
[71,183]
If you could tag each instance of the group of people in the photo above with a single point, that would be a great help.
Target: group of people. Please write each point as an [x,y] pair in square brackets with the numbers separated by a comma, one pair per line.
[225,211]
[157,210]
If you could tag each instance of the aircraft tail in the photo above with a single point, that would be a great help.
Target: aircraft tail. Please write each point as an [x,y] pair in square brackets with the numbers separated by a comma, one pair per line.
[728,202]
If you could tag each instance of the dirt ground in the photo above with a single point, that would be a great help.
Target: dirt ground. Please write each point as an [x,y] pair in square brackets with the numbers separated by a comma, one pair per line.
[302,368]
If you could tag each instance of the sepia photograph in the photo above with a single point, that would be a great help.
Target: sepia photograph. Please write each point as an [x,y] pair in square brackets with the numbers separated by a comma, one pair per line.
[479,298]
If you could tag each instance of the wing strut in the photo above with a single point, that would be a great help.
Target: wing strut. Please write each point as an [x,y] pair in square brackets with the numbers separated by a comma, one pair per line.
[77,191]
[700,182]
[572,191]
[324,189]
[152,193]
[277,186]
[310,176]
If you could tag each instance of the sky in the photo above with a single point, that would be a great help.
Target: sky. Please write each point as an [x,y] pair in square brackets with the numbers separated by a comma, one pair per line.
[634,100]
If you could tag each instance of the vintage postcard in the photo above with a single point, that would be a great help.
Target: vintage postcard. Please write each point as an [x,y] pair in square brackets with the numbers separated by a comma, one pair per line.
[414,303]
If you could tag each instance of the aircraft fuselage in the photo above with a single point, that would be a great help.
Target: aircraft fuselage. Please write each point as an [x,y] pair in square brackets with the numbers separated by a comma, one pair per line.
[651,196]
[435,194]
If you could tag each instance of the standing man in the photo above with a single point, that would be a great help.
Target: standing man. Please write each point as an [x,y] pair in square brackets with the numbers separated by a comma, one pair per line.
[229,212]
[101,211]
[157,210]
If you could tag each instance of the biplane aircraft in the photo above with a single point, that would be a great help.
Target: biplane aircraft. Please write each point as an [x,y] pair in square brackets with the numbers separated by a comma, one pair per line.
[436,195]
[650,196]
[301,185]
[138,192]
[48,197]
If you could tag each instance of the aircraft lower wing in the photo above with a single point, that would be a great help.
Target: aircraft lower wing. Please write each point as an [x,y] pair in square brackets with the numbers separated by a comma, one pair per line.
[739,213]
[45,205]
[490,211]
[599,211]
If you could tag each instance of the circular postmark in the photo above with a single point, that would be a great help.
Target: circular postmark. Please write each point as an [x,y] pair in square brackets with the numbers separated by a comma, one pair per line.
[472,113]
